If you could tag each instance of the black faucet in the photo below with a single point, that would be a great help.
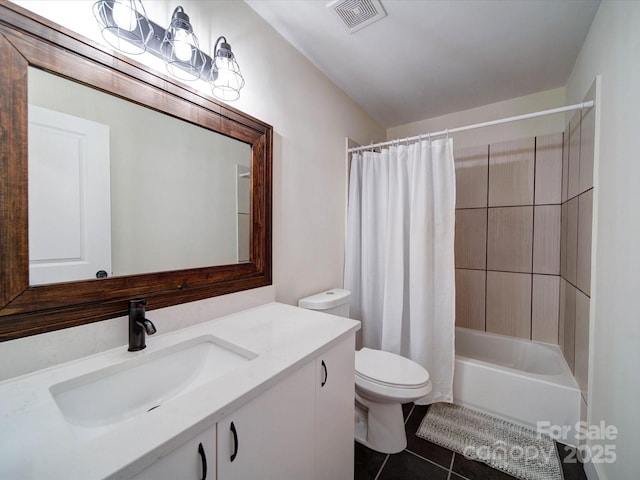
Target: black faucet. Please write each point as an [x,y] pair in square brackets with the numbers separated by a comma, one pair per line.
[138,325]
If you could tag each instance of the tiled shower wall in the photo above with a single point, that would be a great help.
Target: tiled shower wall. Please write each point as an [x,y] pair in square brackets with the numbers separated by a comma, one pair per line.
[523,238]
[508,237]
[575,246]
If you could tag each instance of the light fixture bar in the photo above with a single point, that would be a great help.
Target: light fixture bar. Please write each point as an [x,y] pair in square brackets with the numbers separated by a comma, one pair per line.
[154,41]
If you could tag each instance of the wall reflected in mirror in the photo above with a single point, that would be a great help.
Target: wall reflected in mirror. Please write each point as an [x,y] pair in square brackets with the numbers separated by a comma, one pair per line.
[116,188]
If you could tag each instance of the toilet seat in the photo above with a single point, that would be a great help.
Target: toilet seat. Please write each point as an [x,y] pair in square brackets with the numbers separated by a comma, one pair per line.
[387,376]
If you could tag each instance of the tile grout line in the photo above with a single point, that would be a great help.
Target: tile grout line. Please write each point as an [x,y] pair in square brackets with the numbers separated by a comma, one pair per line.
[381,467]
[451,466]
[409,414]
[513,271]
[519,205]
[452,472]
[427,460]
[486,241]
[562,202]
[533,234]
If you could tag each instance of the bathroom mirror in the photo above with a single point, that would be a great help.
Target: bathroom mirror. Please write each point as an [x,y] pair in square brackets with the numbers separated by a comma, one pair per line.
[33,49]
[116,188]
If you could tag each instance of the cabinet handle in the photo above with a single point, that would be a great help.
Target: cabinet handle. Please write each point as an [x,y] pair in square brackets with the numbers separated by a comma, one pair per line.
[326,374]
[232,427]
[203,459]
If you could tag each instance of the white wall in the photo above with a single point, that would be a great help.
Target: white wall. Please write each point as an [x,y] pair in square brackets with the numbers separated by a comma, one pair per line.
[508,131]
[612,48]
[311,118]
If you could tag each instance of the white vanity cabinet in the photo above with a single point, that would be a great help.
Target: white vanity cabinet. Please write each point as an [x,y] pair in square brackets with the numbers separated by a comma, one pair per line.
[285,412]
[302,428]
[272,436]
[194,460]
[335,393]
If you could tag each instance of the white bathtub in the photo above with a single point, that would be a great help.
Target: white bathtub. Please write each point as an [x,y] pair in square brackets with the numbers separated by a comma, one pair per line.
[516,379]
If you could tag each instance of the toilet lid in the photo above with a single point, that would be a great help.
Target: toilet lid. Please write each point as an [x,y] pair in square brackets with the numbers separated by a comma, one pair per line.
[390,369]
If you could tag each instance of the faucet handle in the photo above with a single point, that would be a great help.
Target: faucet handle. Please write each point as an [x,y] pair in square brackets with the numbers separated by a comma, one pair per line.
[139,303]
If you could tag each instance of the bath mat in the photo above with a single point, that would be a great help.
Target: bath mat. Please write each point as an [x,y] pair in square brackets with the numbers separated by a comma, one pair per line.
[519,451]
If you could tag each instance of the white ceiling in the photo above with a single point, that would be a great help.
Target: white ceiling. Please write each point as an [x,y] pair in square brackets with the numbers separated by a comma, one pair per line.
[432,57]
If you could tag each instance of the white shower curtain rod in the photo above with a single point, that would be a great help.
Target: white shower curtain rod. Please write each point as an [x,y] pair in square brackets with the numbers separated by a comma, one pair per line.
[577,106]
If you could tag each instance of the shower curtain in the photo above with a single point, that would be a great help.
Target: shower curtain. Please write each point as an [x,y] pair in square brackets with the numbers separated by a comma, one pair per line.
[399,263]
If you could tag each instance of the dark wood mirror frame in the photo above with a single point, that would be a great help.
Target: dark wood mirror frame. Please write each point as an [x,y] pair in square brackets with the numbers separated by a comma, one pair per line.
[29,40]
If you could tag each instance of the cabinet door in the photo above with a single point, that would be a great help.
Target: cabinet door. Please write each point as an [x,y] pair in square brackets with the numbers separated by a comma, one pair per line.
[271,437]
[194,460]
[334,412]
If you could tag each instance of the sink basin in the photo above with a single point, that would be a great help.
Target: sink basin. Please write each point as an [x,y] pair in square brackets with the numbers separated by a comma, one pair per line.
[96,402]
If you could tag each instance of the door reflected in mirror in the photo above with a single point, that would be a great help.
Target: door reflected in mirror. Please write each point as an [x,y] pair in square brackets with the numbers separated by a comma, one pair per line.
[116,188]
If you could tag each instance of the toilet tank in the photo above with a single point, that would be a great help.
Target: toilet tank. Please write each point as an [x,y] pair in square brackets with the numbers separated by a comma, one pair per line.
[334,301]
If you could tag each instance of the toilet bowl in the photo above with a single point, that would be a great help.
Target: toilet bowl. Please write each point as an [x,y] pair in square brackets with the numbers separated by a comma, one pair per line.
[383,382]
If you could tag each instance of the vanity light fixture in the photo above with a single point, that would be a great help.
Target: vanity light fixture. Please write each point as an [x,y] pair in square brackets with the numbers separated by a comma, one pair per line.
[226,79]
[180,48]
[125,26]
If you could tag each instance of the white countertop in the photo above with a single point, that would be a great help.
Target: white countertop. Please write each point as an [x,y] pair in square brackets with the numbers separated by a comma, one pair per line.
[37,442]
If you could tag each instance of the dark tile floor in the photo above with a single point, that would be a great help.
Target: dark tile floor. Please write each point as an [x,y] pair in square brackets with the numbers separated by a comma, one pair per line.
[425,460]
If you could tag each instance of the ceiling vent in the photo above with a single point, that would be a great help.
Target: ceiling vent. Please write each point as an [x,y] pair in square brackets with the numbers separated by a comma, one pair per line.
[357,14]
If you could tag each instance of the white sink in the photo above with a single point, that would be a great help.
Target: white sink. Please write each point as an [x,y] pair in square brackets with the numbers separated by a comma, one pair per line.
[96,402]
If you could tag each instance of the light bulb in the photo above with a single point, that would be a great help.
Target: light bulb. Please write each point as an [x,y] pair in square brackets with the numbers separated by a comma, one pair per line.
[124,16]
[182,45]
[227,75]
[223,71]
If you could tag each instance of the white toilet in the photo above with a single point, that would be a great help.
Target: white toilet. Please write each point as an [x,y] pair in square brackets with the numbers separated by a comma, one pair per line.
[383,382]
